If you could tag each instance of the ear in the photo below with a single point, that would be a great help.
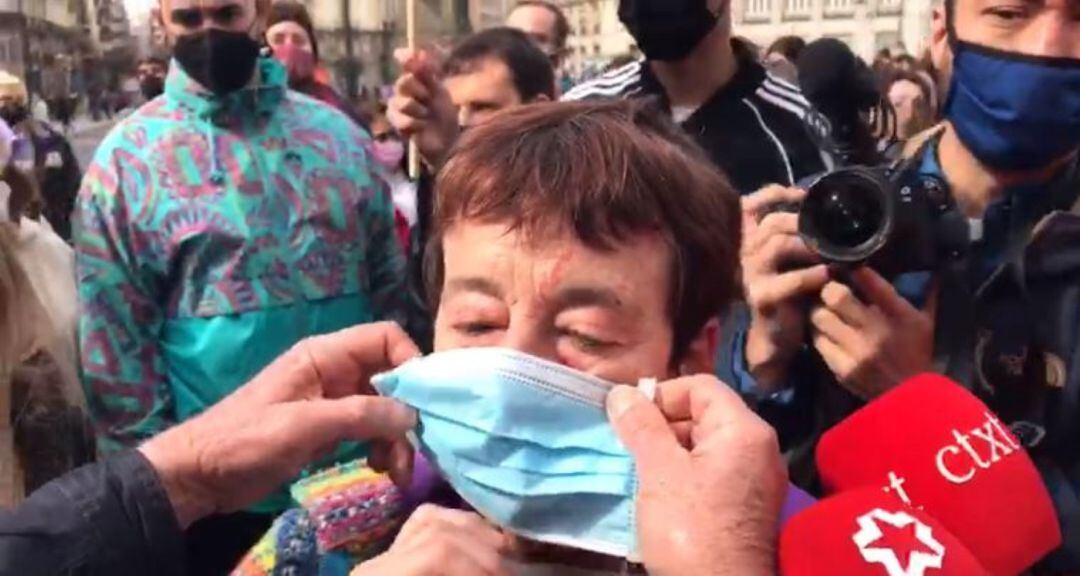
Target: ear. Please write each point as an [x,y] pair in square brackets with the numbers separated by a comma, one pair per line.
[940,51]
[539,98]
[700,357]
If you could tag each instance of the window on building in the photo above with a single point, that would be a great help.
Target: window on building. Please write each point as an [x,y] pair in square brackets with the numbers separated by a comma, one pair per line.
[798,8]
[758,9]
[889,6]
[839,6]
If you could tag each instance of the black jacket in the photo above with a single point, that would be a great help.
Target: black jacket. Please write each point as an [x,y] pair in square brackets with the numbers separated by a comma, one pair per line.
[58,176]
[108,519]
[752,128]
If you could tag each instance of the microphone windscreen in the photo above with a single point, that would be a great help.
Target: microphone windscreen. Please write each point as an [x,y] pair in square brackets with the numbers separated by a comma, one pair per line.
[936,446]
[832,77]
[870,533]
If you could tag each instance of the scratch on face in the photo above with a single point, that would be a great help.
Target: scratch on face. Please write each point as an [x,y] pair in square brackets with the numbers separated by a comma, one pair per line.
[550,282]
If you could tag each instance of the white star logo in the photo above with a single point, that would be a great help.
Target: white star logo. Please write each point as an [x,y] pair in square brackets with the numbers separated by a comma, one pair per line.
[918,561]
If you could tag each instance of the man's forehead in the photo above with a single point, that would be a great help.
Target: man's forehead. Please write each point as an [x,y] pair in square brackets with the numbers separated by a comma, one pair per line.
[531,19]
[170,5]
[488,74]
[980,4]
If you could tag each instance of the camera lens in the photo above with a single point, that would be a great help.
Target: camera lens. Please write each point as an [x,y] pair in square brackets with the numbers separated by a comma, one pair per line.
[843,213]
[846,218]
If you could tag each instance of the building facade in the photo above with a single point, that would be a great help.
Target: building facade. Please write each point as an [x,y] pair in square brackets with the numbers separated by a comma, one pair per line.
[865,25]
[46,43]
[485,14]
[596,35]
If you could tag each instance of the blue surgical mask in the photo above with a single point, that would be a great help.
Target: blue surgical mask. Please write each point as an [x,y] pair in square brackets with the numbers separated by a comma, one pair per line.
[1014,112]
[526,442]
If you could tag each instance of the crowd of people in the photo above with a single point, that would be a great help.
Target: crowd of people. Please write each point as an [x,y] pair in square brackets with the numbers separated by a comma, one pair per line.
[603,328]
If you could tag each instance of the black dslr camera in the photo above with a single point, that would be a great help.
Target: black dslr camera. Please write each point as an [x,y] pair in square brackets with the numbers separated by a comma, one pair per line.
[894,220]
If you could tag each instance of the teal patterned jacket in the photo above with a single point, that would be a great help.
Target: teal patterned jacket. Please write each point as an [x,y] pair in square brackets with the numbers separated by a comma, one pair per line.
[212,234]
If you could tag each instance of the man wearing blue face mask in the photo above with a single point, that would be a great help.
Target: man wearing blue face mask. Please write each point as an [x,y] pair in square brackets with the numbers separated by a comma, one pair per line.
[1003,319]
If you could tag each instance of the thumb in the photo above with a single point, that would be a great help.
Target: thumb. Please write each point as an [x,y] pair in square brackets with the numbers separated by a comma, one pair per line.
[644,431]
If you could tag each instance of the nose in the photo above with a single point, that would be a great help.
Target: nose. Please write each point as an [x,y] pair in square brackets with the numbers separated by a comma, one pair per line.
[464,117]
[1058,34]
[527,337]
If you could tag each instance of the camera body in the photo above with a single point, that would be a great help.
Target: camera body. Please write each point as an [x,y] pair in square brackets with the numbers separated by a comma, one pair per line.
[894,220]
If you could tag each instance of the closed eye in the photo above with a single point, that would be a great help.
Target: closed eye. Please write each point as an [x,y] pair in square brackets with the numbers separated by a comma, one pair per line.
[586,342]
[475,328]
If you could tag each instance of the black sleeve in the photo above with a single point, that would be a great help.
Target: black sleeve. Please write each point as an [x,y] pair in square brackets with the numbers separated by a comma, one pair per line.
[111,518]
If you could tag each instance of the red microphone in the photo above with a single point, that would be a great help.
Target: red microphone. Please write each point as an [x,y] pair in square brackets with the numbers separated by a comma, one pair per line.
[935,446]
[870,533]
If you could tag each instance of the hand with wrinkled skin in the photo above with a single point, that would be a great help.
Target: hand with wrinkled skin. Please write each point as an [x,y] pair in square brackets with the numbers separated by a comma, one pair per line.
[421,107]
[711,479]
[440,542]
[294,412]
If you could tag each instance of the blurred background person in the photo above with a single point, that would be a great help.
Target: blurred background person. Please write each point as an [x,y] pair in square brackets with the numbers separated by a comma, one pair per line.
[546,24]
[905,62]
[714,85]
[151,73]
[44,429]
[782,55]
[388,149]
[42,152]
[883,63]
[291,36]
[912,97]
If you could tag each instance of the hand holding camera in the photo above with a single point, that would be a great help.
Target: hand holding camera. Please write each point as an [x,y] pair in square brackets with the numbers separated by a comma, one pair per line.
[776,293]
[866,225]
[874,342]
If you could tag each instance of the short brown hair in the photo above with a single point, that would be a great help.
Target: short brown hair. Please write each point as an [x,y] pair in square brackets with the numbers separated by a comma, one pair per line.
[562,25]
[604,171]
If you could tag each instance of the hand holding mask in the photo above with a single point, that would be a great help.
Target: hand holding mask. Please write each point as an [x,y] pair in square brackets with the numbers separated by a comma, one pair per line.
[689,484]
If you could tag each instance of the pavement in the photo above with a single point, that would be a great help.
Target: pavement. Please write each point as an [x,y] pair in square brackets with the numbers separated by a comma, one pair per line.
[85,136]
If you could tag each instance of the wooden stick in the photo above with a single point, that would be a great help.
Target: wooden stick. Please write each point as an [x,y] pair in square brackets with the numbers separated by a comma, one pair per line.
[410,32]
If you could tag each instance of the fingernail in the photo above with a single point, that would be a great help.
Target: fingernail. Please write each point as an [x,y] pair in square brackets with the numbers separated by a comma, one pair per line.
[621,399]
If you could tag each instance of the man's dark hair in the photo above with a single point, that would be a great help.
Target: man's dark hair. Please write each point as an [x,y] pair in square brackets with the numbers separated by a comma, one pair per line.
[154,60]
[907,59]
[291,11]
[530,68]
[562,25]
[789,46]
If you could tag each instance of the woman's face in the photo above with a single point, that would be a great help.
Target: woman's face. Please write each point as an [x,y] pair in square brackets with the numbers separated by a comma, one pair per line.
[288,34]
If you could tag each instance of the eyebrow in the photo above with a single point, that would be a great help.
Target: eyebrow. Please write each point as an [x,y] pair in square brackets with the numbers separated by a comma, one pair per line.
[587,297]
[569,297]
[473,284]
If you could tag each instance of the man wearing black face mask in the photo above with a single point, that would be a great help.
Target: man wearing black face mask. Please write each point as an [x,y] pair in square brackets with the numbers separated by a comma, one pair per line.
[1002,320]
[749,122]
[151,74]
[218,225]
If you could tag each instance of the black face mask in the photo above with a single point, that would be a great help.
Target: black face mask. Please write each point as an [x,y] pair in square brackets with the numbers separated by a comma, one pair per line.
[14,114]
[152,87]
[221,60]
[667,29]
